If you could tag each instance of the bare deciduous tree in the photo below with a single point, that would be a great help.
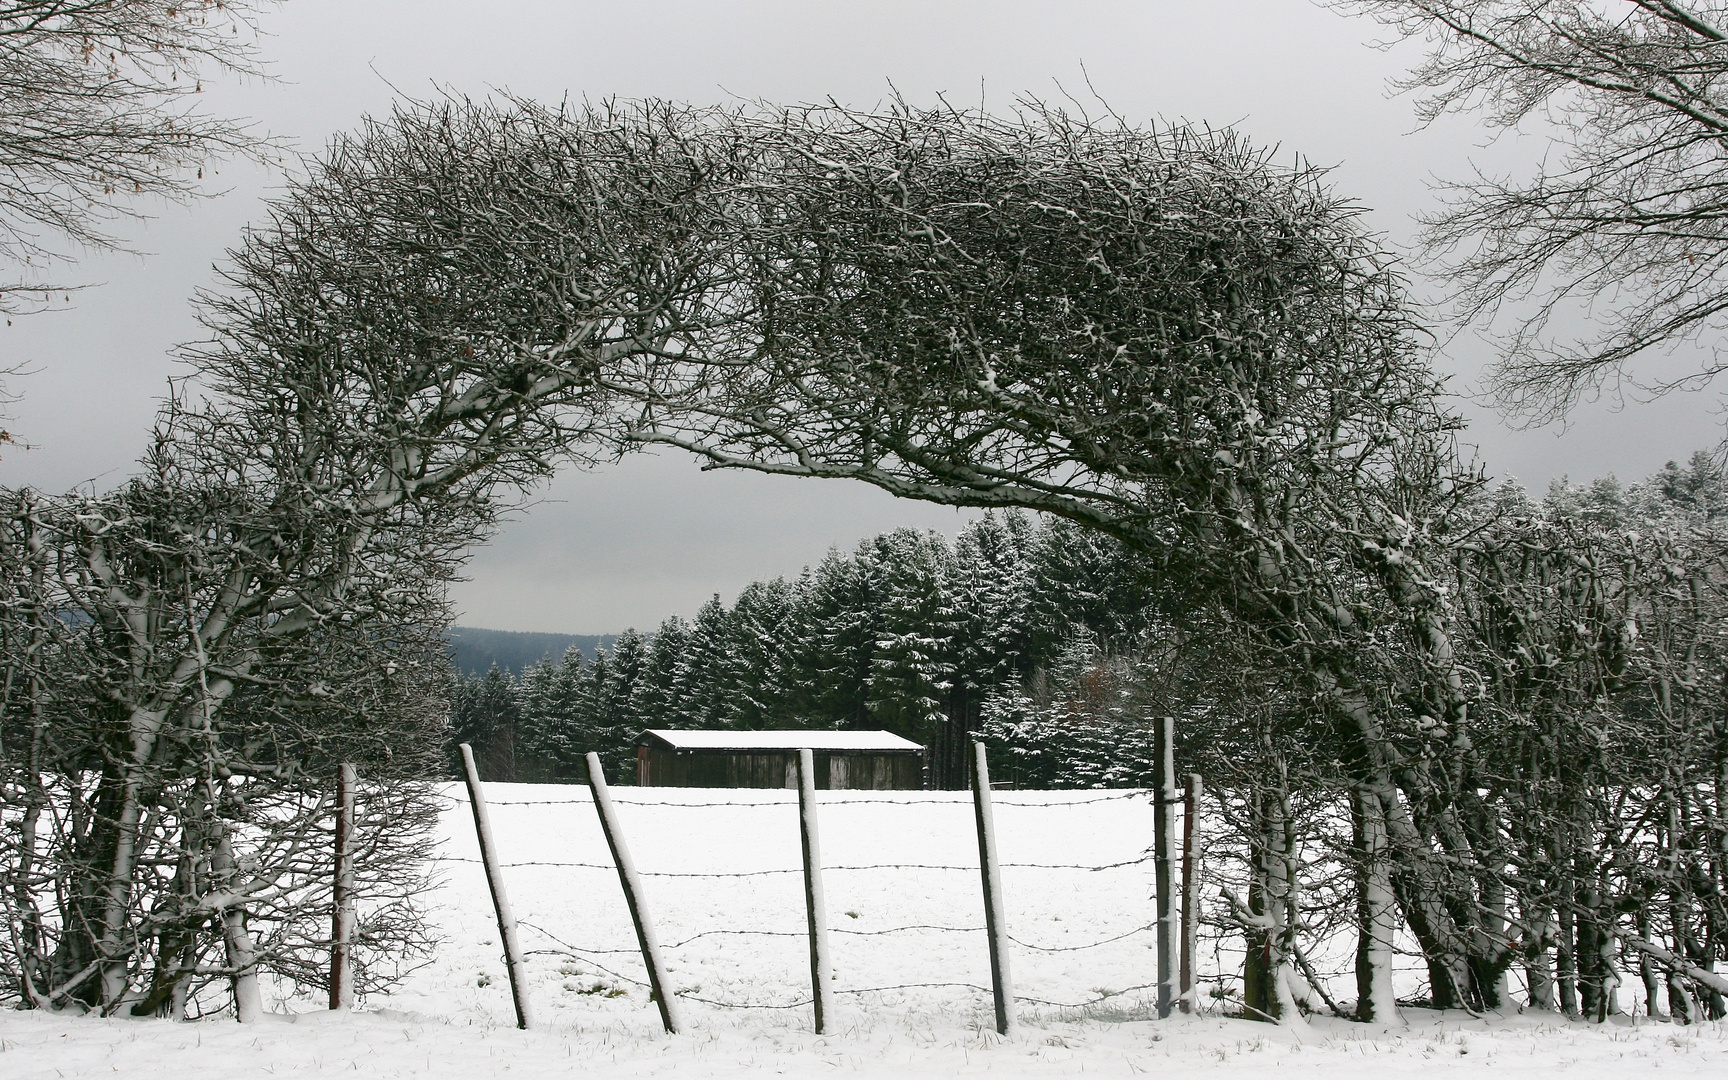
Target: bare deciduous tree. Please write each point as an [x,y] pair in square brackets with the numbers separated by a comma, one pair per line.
[187,654]
[99,112]
[1629,219]
[1163,335]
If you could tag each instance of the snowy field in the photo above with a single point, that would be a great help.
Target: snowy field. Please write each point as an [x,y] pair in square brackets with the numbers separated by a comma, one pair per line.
[908,944]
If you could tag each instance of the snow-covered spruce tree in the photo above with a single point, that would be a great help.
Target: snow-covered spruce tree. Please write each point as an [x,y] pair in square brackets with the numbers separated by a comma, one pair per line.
[911,662]
[835,634]
[557,730]
[706,674]
[486,712]
[615,712]
[376,377]
[660,696]
[992,580]
[1082,722]
[758,657]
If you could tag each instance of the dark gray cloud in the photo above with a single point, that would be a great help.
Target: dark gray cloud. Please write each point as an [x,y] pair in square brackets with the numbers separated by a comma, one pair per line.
[634,542]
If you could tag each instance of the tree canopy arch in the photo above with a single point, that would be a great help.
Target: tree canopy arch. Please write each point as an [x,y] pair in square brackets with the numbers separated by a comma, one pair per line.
[1162,333]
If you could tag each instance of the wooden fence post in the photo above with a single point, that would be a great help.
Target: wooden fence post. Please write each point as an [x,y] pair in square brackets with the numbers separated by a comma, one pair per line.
[633,894]
[495,880]
[821,970]
[1163,856]
[342,895]
[1190,898]
[995,911]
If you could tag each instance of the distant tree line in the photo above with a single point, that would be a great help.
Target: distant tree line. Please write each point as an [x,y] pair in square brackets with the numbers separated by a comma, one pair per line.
[473,650]
[932,640]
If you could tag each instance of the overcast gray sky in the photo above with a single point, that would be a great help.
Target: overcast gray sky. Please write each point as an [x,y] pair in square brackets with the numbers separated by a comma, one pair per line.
[636,542]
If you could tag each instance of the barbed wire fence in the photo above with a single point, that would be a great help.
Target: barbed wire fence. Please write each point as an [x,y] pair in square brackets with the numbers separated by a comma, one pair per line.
[1218,947]
[1222,856]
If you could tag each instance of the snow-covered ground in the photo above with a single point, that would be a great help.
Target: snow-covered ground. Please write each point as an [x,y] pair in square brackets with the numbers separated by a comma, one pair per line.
[908,940]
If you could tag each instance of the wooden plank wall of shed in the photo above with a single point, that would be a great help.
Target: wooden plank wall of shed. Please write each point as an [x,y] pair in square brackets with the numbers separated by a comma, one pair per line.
[862,772]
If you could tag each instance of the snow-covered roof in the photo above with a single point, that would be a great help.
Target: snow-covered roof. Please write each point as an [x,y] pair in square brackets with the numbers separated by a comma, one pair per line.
[843,742]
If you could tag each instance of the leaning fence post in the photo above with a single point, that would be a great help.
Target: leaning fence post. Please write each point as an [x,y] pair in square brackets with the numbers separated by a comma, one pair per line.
[342,895]
[995,913]
[633,894]
[817,909]
[495,880]
[1163,855]
[1190,897]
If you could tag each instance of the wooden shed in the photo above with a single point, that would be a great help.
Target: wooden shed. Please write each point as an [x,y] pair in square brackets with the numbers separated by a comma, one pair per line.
[867,760]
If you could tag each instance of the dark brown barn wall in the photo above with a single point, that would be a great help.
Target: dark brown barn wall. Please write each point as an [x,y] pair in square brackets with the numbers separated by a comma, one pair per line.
[661,767]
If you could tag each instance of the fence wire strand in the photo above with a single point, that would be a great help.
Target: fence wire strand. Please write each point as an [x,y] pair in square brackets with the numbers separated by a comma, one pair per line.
[955,797]
[585,956]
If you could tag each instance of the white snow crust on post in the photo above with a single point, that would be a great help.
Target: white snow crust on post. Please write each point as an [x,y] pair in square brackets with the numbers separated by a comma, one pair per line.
[634,897]
[816,907]
[342,894]
[995,910]
[495,881]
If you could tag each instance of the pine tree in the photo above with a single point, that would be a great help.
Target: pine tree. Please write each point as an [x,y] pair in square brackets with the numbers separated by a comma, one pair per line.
[552,698]
[484,714]
[1085,722]
[1080,577]
[661,687]
[705,673]
[611,707]
[624,717]
[834,628]
[1700,487]
[912,669]
[990,633]
[757,659]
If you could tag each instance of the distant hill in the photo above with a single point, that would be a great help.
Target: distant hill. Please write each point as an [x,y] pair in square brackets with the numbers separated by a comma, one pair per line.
[475,650]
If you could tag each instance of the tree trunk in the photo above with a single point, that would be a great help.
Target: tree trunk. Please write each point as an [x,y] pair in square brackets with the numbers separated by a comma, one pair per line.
[242,961]
[1269,978]
[1598,974]
[1646,971]
[1490,958]
[167,993]
[1376,914]
[1538,968]
[1566,953]
[1417,880]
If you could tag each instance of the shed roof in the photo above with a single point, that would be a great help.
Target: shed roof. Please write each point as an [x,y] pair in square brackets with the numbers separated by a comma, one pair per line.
[841,742]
